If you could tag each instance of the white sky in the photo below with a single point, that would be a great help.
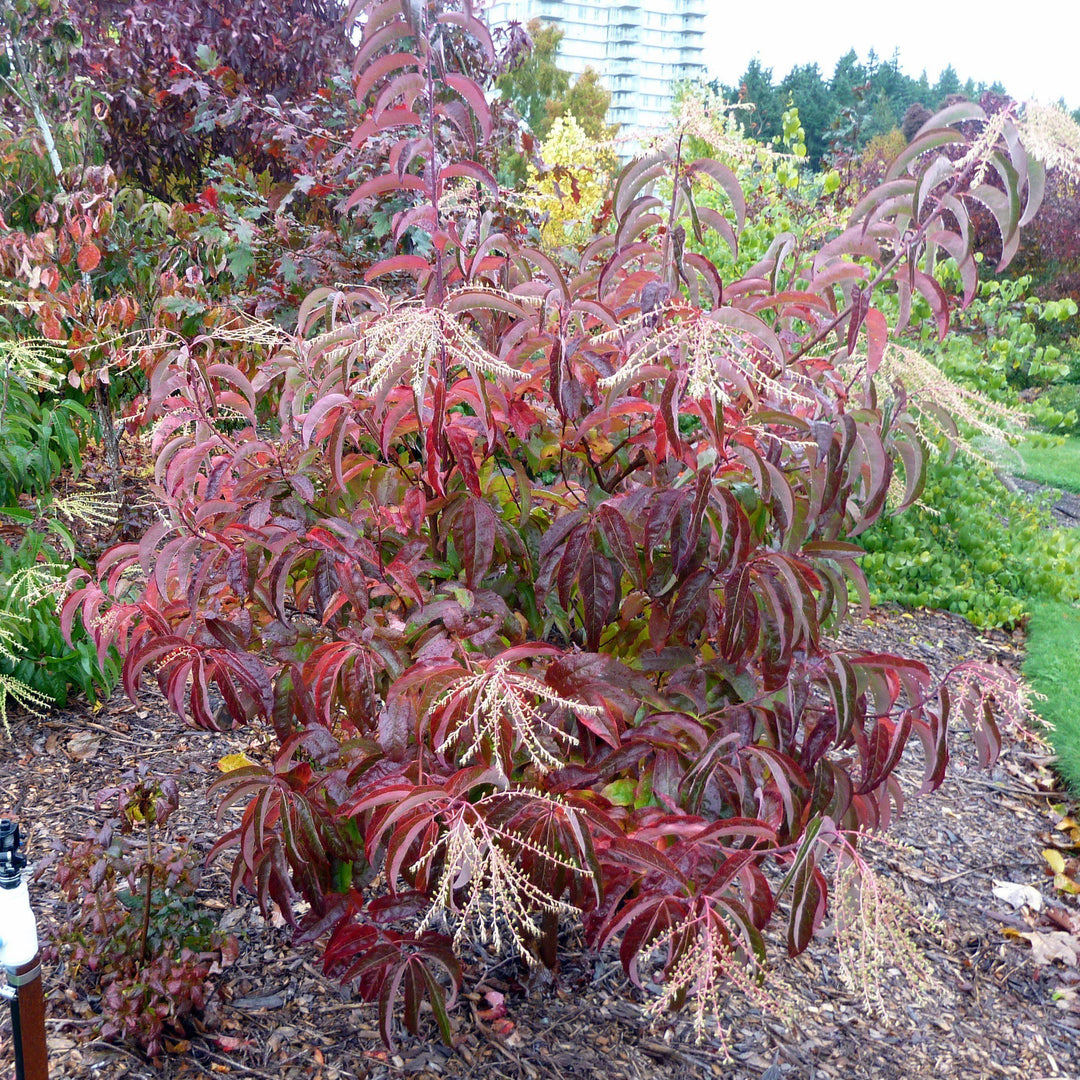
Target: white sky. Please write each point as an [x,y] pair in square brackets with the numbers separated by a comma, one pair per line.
[1031,46]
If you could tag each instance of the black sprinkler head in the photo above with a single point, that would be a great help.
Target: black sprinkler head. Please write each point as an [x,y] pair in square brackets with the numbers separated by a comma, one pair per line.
[12,860]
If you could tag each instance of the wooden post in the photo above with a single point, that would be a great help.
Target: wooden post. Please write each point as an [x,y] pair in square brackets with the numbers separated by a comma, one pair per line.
[28,1021]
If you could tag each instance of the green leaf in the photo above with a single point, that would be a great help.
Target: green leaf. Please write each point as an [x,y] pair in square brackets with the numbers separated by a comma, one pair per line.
[241,263]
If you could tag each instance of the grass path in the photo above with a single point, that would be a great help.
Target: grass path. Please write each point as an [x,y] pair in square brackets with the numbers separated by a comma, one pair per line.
[1052,668]
[1054,466]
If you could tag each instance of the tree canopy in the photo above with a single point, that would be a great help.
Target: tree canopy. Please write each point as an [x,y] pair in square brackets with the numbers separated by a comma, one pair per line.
[860,99]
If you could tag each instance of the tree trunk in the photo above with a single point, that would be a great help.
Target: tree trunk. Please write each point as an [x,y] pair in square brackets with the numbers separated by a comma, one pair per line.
[109,437]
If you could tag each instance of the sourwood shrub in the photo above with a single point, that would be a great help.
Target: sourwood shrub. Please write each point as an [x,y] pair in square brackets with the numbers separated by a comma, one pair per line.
[527,561]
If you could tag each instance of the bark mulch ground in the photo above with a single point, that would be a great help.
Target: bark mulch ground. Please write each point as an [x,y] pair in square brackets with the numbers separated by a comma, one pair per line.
[1004,1004]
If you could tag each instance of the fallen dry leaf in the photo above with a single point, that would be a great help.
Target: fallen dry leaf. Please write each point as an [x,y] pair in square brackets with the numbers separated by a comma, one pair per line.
[232,762]
[1048,946]
[231,918]
[1064,918]
[1064,883]
[1017,896]
[497,1006]
[231,1042]
[84,746]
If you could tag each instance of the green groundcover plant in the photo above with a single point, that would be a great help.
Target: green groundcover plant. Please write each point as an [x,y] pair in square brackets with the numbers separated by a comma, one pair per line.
[526,558]
[972,547]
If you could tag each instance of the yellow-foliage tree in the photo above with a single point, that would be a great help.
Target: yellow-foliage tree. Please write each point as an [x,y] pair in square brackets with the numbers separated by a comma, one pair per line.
[569,191]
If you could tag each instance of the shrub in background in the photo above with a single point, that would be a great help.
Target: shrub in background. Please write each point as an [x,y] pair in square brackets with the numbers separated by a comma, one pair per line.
[1052,256]
[786,214]
[237,66]
[42,432]
[569,191]
[133,937]
[33,649]
[1009,340]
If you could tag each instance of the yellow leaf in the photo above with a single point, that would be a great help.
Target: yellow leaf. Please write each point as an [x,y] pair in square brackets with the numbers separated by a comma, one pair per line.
[1064,883]
[601,447]
[231,762]
[1056,862]
[1069,825]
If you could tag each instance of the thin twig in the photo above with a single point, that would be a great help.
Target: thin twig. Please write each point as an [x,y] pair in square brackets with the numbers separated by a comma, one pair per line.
[233,1063]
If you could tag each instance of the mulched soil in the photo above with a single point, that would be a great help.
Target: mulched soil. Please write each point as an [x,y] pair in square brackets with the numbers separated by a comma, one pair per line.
[995,1012]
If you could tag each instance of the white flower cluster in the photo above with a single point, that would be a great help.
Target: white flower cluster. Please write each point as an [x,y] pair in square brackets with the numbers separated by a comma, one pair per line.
[707,965]
[101,508]
[929,385]
[408,340]
[29,698]
[1051,135]
[501,695]
[720,362]
[38,361]
[874,923]
[501,905]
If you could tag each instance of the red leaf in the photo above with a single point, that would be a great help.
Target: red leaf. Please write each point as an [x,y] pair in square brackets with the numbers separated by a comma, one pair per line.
[727,180]
[474,537]
[691,605]
[412,264]
[475,98]
[50,326]
[807,906]
[460,439]
[88,258]
[380,185]
[378,68]
[599,587]
[616,532]
[473,171]
[860,307]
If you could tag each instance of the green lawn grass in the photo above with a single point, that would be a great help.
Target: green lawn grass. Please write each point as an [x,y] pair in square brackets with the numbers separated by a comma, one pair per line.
[1052,668]
[1056,466]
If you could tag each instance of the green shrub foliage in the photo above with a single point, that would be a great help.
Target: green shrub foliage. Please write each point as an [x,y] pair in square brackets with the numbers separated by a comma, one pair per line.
[1009,340]
[33,649]
[528,568]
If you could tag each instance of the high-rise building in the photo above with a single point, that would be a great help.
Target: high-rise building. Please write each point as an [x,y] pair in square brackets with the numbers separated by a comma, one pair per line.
[641,48]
